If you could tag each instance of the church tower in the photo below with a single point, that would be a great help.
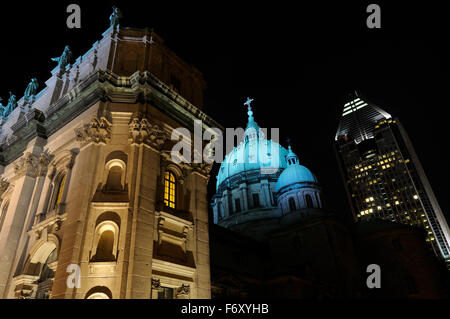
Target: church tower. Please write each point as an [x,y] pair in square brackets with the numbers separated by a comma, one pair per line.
[92,203]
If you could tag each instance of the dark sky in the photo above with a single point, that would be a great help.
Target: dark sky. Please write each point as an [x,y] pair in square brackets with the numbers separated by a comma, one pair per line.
[298,62]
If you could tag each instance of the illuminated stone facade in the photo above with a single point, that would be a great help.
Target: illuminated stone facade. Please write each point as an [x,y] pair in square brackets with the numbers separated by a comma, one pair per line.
[83,167]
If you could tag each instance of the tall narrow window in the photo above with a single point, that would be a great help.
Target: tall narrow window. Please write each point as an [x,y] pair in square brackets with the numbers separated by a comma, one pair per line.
[60,190]
[292,204]
[255,200]
[169,190]
[309,202]
[237,203]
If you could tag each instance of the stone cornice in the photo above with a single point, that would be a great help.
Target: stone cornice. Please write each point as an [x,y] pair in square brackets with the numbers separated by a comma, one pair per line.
[140,87]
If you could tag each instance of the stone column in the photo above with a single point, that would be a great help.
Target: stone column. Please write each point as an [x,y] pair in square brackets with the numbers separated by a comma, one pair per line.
[92,138]
[27,169]
[243,188]
[199,208]
[146,167]
[43,203]
[29,221]
[265,193]
[146,170]
[216,210]
[226,203]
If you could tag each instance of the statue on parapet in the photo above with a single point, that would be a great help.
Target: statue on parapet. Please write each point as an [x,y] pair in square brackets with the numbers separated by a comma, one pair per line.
[8,108]
[2,108]
[31,89]
[64,59]
[115,17]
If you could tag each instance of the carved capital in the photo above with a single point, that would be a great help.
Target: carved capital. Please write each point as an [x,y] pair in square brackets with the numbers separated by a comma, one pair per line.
[202,168]
[4,184]
[44,159]
[142,131]
[156,283]
[27,165]
[98,131]
[32,165]
[183,290]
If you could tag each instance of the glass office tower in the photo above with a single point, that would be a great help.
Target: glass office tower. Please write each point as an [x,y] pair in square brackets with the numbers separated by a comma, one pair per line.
[382,173]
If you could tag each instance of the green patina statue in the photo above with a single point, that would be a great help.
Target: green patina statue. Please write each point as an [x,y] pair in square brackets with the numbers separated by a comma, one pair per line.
[31,89]
[2,108]
[115,17]
[64,59]
[7,109]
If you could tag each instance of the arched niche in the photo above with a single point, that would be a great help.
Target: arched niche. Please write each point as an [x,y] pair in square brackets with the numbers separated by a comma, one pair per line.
[99,292]
[106,238]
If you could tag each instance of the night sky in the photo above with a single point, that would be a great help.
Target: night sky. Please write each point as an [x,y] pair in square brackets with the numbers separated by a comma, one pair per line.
[299,63]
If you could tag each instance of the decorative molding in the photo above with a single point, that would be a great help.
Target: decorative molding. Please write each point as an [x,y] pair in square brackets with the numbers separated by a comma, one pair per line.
[156,283]
[4,184]
[98,131]
[32,165]
[202,168]
[183,290]
[142,131]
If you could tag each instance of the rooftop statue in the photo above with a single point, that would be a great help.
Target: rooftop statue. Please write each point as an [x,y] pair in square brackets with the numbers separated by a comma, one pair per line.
[2,108]
[12,103]
[31,89]
[115,17]
[64,59]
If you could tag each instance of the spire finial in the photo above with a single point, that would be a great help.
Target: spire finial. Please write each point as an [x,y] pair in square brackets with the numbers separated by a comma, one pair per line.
[288,140]
[248,103]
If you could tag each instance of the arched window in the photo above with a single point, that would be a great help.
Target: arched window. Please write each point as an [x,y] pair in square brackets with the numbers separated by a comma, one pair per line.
[3,214]
[105,247]
[106,238]
[59,190]
[292,204]
[45,280]
[309,202]
[169,190]
[114,181]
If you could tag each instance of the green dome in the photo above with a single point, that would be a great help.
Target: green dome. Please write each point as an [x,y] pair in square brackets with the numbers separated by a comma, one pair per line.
[252,155]
[294,173]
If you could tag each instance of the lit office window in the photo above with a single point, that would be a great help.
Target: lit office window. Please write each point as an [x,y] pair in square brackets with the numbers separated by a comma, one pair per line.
[169,190]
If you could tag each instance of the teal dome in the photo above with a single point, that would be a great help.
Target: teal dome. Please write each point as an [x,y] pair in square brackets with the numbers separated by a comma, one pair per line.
[252,155]
[294,173]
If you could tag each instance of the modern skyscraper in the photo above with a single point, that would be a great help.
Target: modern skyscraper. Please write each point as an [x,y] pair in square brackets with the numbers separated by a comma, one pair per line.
[383,175]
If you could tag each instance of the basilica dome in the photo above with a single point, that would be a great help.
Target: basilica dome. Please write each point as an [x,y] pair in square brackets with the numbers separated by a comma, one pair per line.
[260,182]
[294,174]
[254,155]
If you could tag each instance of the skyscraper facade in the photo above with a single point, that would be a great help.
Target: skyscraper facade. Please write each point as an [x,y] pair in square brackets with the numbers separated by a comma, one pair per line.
[383,175]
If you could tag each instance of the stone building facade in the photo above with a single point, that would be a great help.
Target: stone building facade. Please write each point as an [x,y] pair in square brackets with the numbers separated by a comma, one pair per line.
[88,180]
